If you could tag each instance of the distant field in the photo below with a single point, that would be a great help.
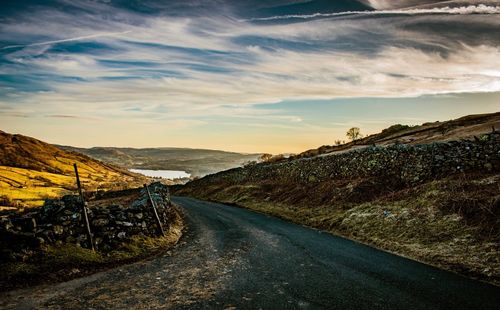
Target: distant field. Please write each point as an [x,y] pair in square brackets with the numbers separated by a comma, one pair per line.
[29,187]
[32,171]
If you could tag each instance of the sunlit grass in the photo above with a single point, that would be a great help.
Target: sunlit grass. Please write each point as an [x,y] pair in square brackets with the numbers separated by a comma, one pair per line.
[29,188]
[32,196]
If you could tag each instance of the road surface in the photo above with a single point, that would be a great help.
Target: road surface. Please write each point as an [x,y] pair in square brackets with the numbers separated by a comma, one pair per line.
[233,258]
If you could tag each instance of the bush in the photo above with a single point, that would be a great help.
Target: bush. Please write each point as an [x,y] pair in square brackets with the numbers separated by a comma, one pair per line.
[393,129]
[276,158]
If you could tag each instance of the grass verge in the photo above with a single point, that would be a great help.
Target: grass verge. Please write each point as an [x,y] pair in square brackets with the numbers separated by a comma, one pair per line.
[452,223]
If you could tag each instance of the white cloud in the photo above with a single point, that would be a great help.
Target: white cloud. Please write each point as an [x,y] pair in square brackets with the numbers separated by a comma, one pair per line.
[396,72]
[387,4]
[249,74]
[462,10]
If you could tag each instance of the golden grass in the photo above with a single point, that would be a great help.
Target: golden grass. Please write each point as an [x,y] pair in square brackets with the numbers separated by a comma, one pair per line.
[31,171]
[29,188]
[21,177]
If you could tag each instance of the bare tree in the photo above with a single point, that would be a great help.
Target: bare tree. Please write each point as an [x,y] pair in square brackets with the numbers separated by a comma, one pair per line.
[354,133]
[265,157]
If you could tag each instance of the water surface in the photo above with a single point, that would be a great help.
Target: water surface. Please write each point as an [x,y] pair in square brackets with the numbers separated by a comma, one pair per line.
[166,174]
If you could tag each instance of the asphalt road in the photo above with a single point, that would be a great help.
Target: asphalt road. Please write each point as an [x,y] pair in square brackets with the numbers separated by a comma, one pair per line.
[233,258]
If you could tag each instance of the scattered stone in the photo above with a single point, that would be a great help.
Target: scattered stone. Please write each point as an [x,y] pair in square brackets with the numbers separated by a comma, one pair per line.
[58,230]
[100,222]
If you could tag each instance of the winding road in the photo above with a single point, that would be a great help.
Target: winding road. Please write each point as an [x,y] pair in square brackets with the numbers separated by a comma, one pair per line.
[232,258]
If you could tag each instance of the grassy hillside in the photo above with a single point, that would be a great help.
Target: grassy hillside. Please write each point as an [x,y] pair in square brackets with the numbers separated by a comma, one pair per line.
[32,170]
[437,202]
[197,162]
[466,127]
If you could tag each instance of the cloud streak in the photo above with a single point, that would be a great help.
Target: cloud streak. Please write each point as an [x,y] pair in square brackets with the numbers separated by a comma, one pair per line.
[151,70]
[463,10]
[87,37]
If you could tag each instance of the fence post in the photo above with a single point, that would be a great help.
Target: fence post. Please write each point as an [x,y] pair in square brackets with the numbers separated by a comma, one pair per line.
[153,204]
[169,199]
[84,209]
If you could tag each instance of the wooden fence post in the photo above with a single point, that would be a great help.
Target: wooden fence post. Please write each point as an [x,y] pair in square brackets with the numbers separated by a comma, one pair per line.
[169,198]
[153,204]
[84,210]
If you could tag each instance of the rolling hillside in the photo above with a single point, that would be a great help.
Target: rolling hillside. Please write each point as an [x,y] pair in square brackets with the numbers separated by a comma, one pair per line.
[197,162]
[32,170]
[466,127]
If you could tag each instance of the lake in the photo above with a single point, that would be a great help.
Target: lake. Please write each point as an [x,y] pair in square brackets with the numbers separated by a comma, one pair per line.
[166,174]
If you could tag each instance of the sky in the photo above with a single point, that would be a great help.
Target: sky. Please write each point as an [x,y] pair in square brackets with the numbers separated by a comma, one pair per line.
[277,76]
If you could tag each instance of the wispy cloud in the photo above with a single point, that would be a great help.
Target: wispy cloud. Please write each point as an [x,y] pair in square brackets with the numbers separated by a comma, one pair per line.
[462,10]
[92,36]
[99,61]
[61,116]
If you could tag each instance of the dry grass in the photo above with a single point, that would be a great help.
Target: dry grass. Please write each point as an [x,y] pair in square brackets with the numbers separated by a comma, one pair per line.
[462,128]
[121,200]
[29,188]
[453,223]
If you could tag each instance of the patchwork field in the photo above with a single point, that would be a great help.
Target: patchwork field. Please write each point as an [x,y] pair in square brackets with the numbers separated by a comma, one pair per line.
[32,171]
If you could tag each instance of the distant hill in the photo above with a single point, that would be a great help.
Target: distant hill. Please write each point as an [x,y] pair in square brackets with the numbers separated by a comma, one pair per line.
[198,162]
[32,170]
[466,127]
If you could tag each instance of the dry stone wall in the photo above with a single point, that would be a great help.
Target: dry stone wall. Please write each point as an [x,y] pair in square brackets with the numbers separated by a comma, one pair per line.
[60,221]
[403,164]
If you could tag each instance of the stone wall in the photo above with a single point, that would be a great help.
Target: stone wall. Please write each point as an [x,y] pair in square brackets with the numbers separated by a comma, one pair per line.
[402,164]
[60,221]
